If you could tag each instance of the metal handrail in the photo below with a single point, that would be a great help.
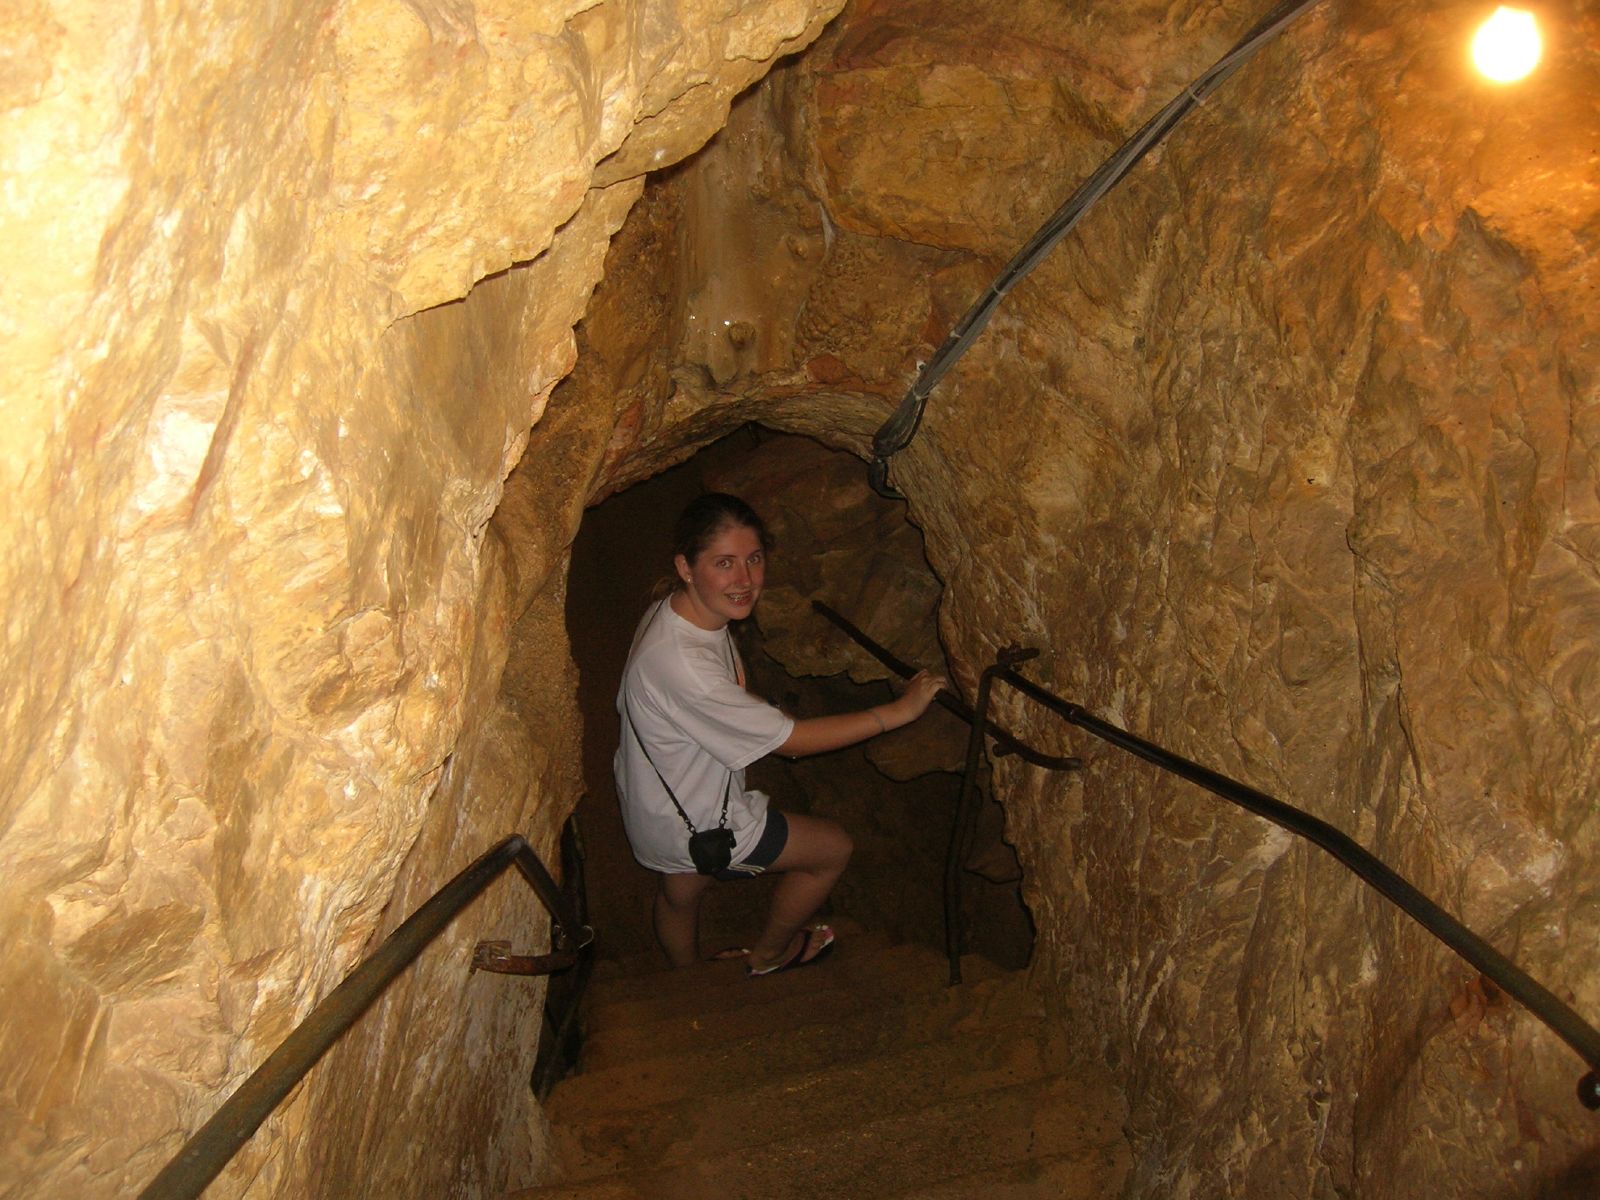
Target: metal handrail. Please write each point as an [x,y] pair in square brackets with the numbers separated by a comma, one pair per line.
[966,816]
[896,433]
[1556,1015]
[547,1072]
[1005,743]
[211,1147]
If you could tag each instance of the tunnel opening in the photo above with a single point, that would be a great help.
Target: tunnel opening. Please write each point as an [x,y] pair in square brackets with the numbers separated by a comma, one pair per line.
[896,795]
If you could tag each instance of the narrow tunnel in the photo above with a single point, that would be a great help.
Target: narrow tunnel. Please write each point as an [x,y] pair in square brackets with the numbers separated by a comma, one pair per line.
[353,355]
[838,542]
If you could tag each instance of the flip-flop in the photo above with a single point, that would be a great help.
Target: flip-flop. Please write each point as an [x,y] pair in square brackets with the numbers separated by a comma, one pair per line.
[730,953]
[799,959]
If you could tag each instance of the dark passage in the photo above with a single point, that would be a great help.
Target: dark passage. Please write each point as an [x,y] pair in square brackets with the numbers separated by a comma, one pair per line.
[868,1075]
[836,539]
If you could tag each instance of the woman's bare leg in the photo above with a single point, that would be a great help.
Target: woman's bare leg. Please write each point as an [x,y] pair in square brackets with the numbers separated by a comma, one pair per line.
[811,862]
[677,916]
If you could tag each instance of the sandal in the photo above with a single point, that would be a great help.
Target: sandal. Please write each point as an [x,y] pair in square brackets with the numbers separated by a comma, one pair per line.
[729,954]
[800,958]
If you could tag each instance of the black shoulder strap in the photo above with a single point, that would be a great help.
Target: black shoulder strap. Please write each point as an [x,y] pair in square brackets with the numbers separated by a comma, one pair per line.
[727,792]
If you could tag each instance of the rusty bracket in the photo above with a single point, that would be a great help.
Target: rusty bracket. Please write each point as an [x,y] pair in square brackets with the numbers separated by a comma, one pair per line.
[497,957]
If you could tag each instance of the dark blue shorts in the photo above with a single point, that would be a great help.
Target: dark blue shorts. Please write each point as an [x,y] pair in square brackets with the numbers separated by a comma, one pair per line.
[765,852]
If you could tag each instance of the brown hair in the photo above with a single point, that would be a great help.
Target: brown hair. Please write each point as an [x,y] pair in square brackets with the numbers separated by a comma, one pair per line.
[701,520]
[708,515]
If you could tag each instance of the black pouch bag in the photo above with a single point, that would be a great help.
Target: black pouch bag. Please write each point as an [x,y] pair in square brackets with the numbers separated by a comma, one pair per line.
[711,850]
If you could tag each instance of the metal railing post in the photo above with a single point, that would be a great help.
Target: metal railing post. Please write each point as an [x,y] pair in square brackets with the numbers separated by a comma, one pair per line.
[216,1142]
[966,811]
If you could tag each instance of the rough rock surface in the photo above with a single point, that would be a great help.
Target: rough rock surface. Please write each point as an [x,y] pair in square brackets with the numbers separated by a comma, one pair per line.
[285,287]
[1287,459]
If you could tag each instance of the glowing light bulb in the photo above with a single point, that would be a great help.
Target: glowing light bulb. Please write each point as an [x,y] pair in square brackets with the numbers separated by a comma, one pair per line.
[1507,45]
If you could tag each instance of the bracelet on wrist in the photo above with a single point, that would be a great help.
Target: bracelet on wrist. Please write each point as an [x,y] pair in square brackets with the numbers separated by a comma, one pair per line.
[878,717]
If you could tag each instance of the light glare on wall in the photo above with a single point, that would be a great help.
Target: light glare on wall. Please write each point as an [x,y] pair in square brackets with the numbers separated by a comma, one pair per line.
[1507,45]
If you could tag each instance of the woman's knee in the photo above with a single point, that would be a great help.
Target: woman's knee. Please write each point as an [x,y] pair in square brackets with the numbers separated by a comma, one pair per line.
[815,844]
[844,845]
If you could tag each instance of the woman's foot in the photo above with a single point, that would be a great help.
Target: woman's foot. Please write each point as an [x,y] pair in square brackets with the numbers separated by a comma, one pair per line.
[809,946]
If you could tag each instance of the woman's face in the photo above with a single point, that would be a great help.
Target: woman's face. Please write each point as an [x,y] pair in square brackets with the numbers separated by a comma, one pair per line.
[724,581]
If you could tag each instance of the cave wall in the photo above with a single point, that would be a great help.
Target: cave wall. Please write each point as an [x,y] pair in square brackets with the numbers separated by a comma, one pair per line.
[1287,460]
[285,287]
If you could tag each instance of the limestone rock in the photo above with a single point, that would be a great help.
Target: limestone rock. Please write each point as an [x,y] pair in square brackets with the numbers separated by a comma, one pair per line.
[1285,461]
[284,291]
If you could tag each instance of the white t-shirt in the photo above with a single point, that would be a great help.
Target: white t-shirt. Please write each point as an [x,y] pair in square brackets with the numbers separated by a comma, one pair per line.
[682,697]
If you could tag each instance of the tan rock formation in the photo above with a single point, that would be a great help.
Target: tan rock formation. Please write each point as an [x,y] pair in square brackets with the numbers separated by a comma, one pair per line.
[1285,459]
[253,602]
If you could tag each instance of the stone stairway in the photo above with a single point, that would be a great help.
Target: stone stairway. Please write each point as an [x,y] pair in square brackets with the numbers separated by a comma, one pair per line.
[863,1076]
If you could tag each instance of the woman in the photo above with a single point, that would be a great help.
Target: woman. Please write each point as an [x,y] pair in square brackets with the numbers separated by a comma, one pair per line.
[689,729]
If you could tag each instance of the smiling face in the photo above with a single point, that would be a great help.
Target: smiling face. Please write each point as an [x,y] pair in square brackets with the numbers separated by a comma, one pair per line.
[724,581]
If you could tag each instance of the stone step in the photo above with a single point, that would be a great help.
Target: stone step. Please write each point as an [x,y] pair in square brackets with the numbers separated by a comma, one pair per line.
[830,990]
[650,962]
[758,1058]
[713,978]
[1000,1130]
[708,987]
[899,1082]
[1092,1173]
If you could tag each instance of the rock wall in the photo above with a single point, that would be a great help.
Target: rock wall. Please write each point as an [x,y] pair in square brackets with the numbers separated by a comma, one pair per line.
[284,289]
[1287,460]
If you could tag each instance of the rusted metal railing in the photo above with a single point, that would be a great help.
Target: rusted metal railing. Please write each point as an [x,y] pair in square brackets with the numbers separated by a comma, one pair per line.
[1005,743]
[241,1114]
[967,809]
[1556,1015]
